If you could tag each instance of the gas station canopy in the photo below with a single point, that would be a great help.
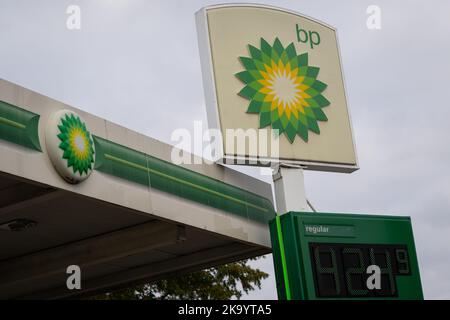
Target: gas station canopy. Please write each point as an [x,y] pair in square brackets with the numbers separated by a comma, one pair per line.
[76,189]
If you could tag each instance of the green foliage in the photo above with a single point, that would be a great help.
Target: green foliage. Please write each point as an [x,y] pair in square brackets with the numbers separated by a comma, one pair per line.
[221,283]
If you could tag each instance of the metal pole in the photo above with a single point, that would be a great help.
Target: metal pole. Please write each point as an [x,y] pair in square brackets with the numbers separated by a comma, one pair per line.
[289,188]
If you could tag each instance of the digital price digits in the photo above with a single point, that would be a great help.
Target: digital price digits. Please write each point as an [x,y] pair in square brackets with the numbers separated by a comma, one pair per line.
[340,269]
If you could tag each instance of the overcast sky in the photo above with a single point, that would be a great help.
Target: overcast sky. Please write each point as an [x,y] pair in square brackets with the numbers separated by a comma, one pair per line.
[136,63]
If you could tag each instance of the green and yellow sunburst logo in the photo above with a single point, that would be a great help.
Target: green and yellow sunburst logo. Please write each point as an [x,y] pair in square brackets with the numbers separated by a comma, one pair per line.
[283,89]
[76,143]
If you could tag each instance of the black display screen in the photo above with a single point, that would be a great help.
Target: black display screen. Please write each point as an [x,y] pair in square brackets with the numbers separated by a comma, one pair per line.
[340,269]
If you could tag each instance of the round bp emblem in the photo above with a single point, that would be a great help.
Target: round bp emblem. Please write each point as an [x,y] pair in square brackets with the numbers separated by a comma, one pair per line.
[70,146]
[283,89]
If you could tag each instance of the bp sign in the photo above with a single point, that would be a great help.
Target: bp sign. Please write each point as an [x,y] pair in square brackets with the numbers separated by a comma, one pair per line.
[70,146]
[269,68]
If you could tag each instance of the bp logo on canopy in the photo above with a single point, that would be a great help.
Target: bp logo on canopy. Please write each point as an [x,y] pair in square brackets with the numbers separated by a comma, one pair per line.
[70,146]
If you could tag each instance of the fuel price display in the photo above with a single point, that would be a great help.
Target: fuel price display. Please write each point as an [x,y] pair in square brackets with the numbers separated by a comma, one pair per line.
[339,256]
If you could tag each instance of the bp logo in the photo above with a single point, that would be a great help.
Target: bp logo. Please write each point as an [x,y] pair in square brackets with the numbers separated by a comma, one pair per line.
[283,89]
[70,146]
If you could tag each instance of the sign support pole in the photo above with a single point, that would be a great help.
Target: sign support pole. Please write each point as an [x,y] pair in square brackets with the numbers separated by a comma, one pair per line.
[289,185]
[290,195]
